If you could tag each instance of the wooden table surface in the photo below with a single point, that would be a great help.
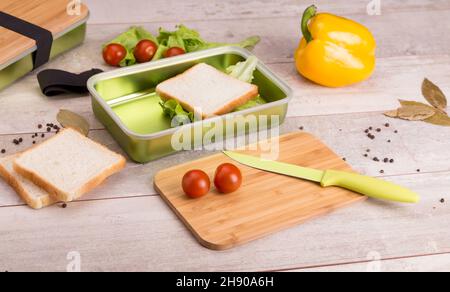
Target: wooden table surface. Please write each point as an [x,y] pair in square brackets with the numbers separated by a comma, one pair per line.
[125,225]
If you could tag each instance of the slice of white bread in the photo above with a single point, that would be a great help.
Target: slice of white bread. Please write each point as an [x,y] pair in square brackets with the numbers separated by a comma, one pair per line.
[68,165]
[207,90]
[34,196]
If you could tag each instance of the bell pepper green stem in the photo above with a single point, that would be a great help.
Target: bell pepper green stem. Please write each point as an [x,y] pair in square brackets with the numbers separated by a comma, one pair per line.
[309,13]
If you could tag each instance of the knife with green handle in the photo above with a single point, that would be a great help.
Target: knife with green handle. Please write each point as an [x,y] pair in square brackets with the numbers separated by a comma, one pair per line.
[365,185]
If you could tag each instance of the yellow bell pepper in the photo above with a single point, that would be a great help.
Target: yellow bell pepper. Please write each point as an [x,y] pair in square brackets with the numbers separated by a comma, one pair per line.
[334,51]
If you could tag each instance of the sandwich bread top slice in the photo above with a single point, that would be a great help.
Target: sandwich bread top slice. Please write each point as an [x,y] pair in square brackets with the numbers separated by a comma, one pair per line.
[206,90]
[68,165]
[34,196]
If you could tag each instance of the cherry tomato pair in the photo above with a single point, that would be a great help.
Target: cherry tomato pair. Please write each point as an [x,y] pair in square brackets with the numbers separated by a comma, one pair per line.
[228,178]
[144,52]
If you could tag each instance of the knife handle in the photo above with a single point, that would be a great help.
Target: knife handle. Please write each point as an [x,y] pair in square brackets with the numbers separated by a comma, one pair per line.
[369,186]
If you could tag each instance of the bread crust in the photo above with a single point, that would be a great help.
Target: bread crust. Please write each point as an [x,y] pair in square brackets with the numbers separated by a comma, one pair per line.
[59,194]
[22,193]
[225,109]
[232,105]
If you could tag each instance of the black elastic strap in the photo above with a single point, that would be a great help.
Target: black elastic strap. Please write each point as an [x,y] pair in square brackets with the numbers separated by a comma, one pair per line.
[56,82]
[43,37]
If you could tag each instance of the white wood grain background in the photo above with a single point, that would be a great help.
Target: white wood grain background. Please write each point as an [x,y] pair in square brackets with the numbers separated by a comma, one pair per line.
[124,225]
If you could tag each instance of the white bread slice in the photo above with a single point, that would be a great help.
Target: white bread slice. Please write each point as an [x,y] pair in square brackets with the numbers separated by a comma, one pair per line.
[207,90]
[34,196]
[68,165]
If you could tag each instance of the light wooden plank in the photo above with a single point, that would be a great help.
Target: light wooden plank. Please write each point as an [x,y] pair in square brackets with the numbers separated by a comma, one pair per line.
[143,234]
[429,152]
[432,263]
[111,11]
[395,78]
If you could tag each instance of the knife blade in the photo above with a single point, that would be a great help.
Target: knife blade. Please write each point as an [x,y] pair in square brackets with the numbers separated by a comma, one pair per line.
[365,185]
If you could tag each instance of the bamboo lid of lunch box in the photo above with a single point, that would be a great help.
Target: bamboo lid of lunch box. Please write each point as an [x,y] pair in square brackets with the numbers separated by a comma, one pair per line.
[49,14]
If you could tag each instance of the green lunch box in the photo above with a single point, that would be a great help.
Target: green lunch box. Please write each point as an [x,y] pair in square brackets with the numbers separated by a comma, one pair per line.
[71,33]
[125,102]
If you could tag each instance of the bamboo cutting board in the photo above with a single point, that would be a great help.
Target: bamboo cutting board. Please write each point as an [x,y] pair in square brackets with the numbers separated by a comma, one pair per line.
[266,202]
[49,14]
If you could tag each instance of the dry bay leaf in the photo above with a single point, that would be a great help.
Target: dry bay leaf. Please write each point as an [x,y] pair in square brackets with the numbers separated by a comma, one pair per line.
[69,119]
[415,112]
[392,114]
[434,95]
[414,103]
[418,111]
[439,119]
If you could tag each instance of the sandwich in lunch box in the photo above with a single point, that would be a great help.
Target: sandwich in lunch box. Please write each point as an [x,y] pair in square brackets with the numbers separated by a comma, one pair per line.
[206,90]
[209,92]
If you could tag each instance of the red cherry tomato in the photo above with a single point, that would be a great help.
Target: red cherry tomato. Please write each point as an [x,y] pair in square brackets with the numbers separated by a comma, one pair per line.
[113,54]
[175,51]
[145,51]
[196,183]
[228,178]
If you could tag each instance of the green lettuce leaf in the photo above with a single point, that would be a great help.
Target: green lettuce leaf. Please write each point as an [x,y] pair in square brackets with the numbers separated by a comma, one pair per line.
[176,113]
[244,71]
[251,103]
[160,52]
[248,44]
[191,41]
